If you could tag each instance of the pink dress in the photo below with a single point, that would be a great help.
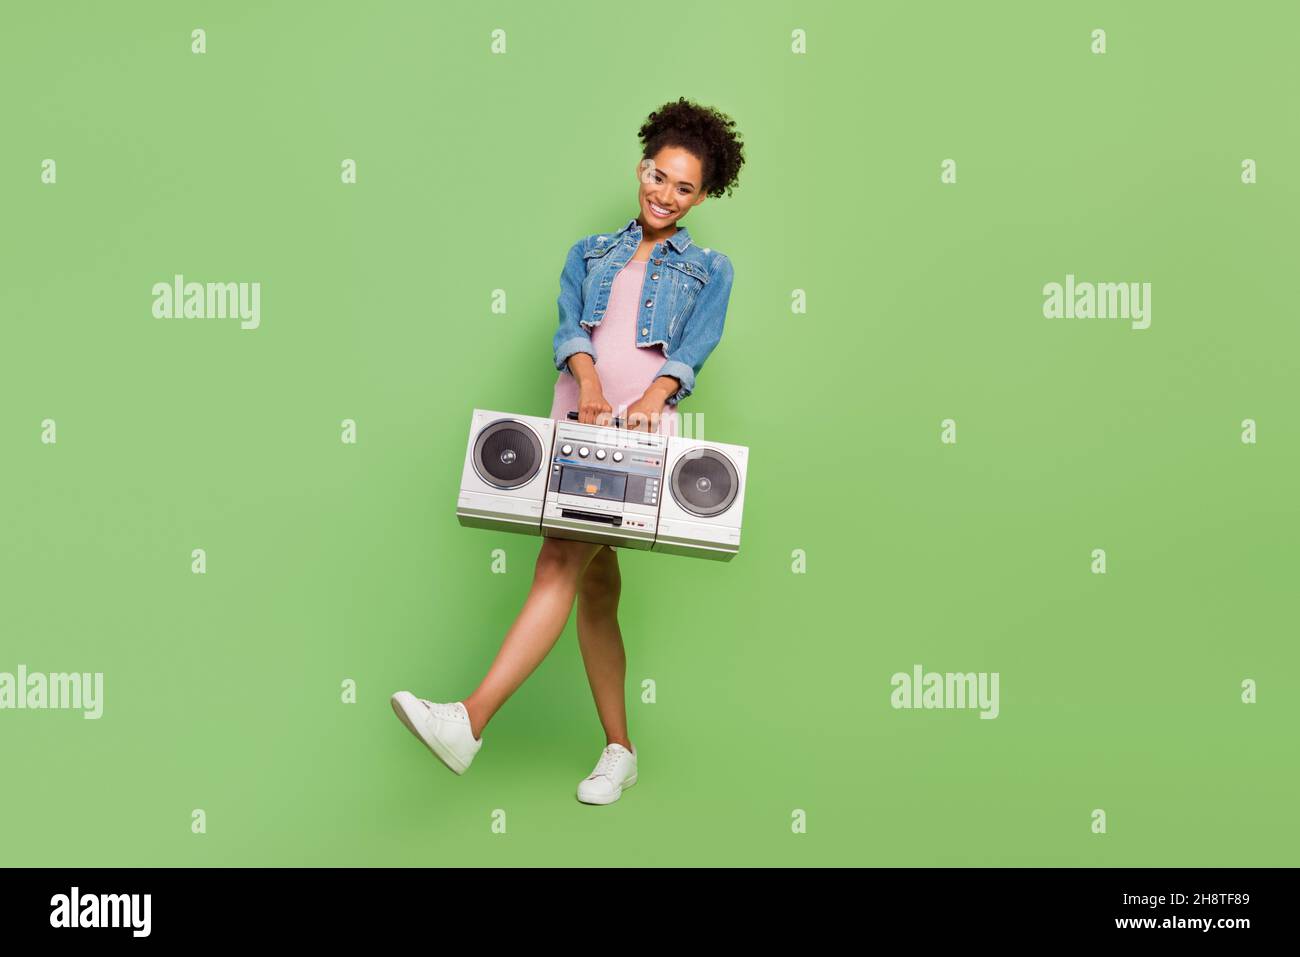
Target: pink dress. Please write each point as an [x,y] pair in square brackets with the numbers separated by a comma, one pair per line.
[625,369]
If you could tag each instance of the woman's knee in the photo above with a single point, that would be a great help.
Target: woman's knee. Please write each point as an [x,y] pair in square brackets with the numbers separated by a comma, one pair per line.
[561,556]
[601,582]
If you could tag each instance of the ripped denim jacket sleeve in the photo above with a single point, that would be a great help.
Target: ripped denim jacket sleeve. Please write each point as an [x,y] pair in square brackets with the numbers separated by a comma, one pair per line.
[703,329]
[571,336]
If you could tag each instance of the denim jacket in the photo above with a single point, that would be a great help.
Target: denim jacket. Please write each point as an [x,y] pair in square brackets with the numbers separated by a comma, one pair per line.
[682,307]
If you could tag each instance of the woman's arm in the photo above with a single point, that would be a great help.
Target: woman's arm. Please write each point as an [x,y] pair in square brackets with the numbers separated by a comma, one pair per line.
[663,387]
[583,368]
[702,333]
[574,351]
[570,337]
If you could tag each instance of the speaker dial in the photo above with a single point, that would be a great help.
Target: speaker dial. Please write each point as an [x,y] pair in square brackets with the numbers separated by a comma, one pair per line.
[704,482]
[507,454]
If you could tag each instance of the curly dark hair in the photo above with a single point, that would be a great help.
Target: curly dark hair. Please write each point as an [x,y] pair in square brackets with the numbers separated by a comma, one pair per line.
[703,131]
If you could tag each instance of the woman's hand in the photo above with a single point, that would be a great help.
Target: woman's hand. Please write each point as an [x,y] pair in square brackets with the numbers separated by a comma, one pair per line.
[592,407]
[645,413]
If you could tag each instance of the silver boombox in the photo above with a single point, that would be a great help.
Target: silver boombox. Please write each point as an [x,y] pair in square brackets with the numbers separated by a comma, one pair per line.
[630,489]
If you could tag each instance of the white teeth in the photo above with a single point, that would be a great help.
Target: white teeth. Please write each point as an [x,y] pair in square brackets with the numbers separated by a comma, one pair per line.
[660,210]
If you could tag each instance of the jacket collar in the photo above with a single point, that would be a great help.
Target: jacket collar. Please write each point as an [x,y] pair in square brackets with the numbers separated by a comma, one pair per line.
[678,240]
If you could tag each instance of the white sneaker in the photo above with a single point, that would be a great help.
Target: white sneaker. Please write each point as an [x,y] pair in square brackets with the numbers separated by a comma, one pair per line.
[444,728]
[615,771]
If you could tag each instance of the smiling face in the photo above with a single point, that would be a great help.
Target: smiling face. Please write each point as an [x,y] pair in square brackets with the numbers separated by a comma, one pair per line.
[670,186]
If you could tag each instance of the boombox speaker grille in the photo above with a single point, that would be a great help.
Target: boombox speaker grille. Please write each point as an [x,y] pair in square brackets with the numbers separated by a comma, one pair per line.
[704,482]
[507,454]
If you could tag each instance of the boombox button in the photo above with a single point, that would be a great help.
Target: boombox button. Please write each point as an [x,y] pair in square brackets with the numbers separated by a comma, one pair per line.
[566,448]
[600,453]
[618,456]
[583,451]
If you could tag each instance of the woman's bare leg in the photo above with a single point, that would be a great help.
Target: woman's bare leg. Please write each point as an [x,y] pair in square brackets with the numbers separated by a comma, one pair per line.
[560,563]
[602,643]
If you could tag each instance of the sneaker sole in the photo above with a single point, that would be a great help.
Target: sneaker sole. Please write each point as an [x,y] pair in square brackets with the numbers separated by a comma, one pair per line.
[630,781]
[401,705]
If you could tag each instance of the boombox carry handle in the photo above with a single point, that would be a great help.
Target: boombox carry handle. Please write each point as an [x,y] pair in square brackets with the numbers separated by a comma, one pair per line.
[618,421]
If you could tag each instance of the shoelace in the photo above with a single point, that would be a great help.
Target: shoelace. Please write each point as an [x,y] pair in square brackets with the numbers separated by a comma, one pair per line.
[441,710]
[608,758]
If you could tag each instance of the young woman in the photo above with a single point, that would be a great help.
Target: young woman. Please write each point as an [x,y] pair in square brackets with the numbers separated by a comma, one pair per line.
[640,309]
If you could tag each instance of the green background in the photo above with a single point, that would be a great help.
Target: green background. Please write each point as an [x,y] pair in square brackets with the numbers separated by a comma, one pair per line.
[476,172]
